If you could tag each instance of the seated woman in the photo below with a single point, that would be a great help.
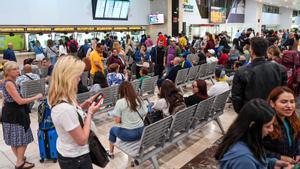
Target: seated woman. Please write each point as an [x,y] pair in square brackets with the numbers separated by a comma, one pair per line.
[170,100]
[129,112]
[114,77]
[284,142]
[199,93]
[242,147]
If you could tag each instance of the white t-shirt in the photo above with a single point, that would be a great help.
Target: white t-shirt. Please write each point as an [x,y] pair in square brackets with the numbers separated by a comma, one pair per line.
[162,105]
[211,60]
[218,88]
[65,119]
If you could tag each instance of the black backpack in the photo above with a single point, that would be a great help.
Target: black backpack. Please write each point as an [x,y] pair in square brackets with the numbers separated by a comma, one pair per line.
[73,47]
[80,53]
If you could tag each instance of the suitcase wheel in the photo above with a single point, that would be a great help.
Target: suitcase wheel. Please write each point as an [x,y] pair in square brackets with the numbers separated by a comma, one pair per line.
[42,160]
[55,160]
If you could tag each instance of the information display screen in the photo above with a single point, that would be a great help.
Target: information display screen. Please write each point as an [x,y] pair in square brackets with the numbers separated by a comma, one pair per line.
[111,9]
[217,15]
[156,19]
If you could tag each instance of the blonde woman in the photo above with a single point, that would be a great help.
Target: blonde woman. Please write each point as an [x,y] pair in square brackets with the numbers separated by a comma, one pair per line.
[121,53]
[72,142]
[16,121]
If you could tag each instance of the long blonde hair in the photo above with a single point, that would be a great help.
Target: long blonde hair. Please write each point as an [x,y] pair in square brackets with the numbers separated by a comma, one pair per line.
[63,80]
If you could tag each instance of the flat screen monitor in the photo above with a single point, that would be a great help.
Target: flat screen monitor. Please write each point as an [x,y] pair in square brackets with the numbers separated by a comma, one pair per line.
[217,15]
[110,9]
[156,19]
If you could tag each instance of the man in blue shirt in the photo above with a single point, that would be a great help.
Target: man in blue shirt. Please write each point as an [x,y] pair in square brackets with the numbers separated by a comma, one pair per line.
[9,54]
[185,63]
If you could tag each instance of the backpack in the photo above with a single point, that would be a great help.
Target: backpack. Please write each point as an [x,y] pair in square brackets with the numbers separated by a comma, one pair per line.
[73,47]
[44,116]
[180,105]
[80,53]
[290,59]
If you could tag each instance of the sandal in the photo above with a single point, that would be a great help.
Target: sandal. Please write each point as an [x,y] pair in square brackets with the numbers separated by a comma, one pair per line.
[30,165]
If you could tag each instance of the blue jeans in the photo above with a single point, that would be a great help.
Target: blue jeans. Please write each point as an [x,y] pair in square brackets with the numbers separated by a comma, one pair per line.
[125,134]
[53,60]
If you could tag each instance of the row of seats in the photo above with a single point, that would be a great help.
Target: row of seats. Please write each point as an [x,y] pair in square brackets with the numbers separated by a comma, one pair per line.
[160,135]
[188,75]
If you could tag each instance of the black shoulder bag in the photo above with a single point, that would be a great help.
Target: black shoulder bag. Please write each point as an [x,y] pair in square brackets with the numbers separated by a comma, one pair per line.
[98,154]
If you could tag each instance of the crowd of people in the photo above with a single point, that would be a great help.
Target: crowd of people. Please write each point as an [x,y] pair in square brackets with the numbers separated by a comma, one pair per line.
[265,133]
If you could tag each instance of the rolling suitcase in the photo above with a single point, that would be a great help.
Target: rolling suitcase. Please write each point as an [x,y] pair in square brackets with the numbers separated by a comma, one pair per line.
[47,144]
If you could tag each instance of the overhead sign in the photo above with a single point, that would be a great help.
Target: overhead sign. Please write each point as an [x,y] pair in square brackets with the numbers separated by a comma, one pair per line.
[187,7]
[64,29]
[85,28]
[104,28]
[12,29]
[120,28]
[38,29]
[135,28]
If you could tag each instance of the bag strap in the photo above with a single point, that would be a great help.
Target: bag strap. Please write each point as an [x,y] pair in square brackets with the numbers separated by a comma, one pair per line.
[52,50]
[28,76]
[140,115]
[80,119]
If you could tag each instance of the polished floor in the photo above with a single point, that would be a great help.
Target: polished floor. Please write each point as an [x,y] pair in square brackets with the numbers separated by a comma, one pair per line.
[172,158]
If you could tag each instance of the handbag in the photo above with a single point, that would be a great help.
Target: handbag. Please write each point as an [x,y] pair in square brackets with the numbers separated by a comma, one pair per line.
[152,117]
[98,154]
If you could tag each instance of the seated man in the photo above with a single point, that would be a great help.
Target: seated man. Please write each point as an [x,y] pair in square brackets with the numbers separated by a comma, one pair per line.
[185,63]
[171,75]
[221,85]
[28,76]
[210,56]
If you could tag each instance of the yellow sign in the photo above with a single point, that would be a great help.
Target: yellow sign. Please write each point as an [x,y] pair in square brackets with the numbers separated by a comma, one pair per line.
[63,29]
[120,28]
[41,29]
[12,29]
[135,28]
[85,28]
[104,28]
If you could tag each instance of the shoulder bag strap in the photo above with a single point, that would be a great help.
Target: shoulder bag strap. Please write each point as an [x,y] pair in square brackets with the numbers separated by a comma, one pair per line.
[28,76]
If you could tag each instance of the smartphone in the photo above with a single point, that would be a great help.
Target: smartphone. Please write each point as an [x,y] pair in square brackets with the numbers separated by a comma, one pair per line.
[99,98]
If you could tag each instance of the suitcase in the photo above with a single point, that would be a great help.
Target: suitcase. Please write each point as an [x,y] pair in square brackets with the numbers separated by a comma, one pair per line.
[47,144]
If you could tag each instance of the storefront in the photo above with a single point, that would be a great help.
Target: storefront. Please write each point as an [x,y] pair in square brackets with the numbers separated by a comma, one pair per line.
[24,38]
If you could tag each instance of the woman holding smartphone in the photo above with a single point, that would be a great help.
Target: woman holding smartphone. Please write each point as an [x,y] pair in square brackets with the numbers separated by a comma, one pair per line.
[72,142]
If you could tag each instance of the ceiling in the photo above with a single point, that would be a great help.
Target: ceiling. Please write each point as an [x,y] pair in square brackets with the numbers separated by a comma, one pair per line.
[293,4]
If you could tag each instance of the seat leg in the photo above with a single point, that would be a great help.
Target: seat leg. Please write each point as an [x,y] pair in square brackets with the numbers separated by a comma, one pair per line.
[217,119]
[154,162]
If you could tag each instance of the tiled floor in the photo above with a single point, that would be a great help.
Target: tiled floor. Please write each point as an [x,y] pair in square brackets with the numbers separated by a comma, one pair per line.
[172,158]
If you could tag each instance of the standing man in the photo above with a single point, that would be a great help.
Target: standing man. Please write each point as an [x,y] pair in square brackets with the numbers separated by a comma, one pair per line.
[9,53]
[172,51]
[157,58]
[257,79]
[96,58]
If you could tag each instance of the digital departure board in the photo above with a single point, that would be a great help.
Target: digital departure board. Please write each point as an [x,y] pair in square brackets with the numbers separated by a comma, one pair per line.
[110,9]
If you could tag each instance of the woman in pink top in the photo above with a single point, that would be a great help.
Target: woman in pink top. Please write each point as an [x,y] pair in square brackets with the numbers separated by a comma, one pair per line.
[149,42]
